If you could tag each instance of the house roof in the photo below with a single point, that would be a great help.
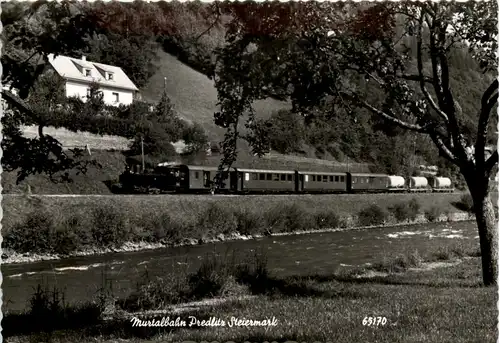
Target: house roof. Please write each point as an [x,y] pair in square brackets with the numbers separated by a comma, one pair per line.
[72,69]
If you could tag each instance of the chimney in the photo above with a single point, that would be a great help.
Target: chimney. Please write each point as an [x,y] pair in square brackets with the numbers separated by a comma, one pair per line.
[84,58]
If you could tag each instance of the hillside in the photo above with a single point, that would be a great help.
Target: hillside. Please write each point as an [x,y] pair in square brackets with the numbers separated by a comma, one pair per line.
[194,95]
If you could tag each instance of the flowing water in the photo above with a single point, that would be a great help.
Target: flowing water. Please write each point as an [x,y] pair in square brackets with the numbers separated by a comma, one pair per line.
[318,253]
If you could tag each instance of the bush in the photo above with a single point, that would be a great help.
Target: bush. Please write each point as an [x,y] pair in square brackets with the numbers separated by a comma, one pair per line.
[163,229]
[327,219]
[249,223]
[406,211]
[108,227]
[35,234]
[400,263]
[217,219]
[465,204]
[211,277]
[372,215]
[433,214]
[289,218]
[160,292]
[66,241]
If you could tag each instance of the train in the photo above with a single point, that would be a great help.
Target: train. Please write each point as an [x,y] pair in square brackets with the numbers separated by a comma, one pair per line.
[181,178]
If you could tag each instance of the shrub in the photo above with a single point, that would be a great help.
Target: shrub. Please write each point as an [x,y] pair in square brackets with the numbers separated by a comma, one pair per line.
[159,292]
[327,219]
[288,218]
[66,241]
[35,234]
[399,263]
[249,222]
[406,210]
[433,214]
[210,279]
[217,219]
[372,215]
[466,203]
[164,229]
[108,226]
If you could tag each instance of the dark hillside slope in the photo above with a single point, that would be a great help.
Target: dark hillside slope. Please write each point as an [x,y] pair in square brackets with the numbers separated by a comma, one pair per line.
[194,95]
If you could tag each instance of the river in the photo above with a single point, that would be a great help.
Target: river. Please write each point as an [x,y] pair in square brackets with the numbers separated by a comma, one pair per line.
[320,253]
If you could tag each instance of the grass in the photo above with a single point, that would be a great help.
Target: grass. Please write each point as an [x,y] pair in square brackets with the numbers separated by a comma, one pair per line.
[63,225]
[445,304]
[93,182]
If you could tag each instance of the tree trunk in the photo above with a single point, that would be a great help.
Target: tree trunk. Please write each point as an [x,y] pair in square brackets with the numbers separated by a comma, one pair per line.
[488,236]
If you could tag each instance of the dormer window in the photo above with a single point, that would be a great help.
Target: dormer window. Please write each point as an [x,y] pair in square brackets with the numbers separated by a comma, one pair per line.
[110,76]
[87,72]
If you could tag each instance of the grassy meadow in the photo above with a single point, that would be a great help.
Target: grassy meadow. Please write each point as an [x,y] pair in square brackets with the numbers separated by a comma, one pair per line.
[431,296]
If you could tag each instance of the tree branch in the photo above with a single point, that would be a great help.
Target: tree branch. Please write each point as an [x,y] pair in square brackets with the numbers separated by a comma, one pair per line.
[488,101]
[490,162]
[419,78]
[399,122]
[421,75]
[17,102]
[443,148]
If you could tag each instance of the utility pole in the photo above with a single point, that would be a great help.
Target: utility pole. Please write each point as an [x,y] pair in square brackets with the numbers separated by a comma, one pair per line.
[142,154]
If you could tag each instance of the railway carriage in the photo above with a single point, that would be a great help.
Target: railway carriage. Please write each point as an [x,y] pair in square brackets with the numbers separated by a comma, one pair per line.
[361,182]
[418,184]
[318,182]
[256,180]
[199,178]
[441,184]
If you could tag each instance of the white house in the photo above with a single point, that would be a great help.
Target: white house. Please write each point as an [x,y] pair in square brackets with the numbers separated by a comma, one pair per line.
[79,74]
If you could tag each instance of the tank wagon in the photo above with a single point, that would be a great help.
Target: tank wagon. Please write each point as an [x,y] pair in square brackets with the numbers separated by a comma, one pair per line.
[201,179]
[418,184]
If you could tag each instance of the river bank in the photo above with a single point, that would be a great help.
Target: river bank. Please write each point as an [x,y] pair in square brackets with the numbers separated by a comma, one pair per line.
[11,257]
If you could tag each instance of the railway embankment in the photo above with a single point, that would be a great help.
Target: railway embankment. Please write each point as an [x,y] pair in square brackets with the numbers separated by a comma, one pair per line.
[42,228]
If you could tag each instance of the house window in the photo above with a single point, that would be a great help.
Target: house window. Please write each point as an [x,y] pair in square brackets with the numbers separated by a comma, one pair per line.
[269,177]
[314,177]
[290,177]
[262,177]
[341,179]
[110,76]
[276,177]
[307,178]
[247,176]
[87,72]
[283,177]
[325,178]
[336,179]
[196,175]
[116,97]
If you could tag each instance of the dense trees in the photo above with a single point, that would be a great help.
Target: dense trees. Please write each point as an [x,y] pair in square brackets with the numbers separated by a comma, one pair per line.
[34,30]
[316,54]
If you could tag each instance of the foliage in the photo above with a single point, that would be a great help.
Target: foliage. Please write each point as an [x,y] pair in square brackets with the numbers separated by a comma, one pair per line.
[372,215]
[108,227]
[33,235]
[466,203]
[327,219]
[406,210]
[135,54]
[288,218]
[286,132]
[337,54]
[433,214]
